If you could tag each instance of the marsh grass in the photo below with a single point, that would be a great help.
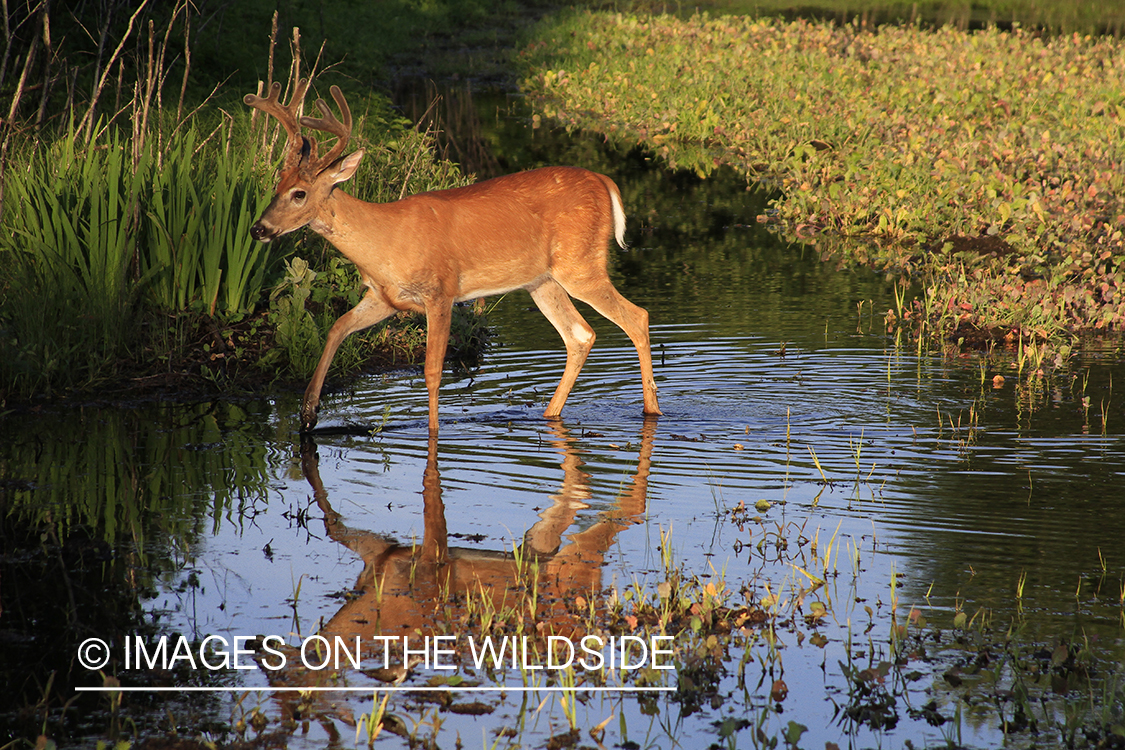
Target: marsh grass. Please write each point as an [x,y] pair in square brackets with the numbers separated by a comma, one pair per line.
[66,283]
[202,202]
[909,149]
[59,339]
[97,241]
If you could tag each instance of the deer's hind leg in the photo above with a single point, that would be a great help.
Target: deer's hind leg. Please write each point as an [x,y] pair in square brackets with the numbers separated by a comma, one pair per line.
[596,290]
[576,333]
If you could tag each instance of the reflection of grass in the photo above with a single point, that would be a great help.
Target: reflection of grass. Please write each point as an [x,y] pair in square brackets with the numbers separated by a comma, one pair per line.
[971,674]
[92,524]
[1058,692]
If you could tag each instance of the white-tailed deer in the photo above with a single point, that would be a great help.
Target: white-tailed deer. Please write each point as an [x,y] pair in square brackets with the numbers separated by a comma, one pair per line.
[546,231]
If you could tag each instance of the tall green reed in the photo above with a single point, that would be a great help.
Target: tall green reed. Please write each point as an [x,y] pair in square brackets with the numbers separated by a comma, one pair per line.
[204,198]
[71,217]
[96,233]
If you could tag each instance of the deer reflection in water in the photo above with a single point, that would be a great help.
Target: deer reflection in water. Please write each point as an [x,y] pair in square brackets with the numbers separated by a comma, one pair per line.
[422,589]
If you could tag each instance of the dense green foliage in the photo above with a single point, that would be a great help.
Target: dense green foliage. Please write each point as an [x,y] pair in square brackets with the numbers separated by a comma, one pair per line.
[126,250]
[910,139]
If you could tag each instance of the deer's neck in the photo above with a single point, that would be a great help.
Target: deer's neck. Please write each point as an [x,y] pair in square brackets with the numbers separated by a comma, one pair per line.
[347,222]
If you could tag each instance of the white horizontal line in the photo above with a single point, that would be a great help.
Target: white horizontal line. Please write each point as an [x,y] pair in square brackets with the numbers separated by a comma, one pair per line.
[387,688]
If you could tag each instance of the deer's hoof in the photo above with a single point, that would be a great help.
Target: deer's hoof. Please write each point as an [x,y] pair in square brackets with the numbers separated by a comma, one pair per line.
[308,418]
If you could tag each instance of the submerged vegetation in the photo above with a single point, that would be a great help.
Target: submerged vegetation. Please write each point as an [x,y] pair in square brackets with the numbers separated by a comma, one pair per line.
[988,165]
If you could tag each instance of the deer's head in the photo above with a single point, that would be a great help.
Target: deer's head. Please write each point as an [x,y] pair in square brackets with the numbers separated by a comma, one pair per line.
[306,180]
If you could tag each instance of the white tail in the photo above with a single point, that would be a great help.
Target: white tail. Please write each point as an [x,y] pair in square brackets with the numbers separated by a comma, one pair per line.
[618,215]
[546,231]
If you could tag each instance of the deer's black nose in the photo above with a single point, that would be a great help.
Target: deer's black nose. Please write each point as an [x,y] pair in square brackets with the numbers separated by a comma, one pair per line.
[260,232]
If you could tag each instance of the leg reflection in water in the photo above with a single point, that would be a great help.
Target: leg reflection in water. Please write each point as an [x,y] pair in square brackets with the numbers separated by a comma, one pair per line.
[416,590]
[407,588]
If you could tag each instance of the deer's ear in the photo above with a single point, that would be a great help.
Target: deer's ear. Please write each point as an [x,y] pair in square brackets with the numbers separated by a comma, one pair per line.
[345,168]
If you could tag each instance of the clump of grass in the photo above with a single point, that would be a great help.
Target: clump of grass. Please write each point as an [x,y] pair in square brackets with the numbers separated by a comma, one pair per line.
[102,235]
[201,202]
[71,215]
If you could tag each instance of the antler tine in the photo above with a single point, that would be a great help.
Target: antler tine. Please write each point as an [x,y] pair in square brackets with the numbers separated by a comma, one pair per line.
[285,114]
[329,124]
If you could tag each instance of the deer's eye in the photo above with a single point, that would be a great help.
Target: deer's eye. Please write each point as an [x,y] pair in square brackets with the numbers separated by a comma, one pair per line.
[299,196]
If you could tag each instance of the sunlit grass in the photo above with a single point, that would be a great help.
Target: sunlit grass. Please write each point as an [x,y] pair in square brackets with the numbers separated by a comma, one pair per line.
[923,147]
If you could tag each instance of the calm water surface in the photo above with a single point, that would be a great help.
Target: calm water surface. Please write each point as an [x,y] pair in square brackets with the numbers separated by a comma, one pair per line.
[919,483]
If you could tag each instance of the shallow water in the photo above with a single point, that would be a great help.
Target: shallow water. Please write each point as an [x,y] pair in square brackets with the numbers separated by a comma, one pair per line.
[778,382]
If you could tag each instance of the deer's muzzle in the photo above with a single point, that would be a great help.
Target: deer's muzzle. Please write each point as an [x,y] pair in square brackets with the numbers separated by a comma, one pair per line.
[261,232]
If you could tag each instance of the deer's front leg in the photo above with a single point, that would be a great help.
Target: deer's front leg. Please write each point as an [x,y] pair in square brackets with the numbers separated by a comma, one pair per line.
[438,316]
[370,310]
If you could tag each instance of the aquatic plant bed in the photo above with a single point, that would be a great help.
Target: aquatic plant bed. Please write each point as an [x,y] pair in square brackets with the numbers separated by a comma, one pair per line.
[988,164]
